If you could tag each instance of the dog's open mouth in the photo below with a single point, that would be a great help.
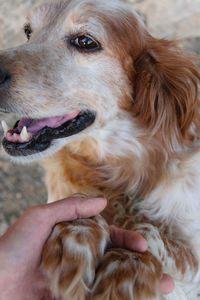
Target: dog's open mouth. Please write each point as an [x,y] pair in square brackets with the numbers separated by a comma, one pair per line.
[30,136]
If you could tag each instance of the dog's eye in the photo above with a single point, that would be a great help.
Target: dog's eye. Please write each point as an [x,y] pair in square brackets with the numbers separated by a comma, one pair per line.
[85,42]
[28,31]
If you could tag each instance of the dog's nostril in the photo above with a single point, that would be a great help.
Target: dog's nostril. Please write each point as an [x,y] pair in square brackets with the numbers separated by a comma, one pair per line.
[4,76]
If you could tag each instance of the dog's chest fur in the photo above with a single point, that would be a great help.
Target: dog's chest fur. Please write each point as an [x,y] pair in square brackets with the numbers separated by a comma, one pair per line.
[173,204]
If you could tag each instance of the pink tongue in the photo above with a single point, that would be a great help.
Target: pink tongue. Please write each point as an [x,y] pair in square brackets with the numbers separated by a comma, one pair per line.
[34,125]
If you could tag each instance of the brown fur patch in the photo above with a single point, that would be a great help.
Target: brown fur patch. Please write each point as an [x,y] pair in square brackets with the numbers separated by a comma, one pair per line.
[133,276]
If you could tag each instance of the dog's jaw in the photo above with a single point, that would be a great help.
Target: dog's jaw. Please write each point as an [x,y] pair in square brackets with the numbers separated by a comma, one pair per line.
[55,147]
[44,137]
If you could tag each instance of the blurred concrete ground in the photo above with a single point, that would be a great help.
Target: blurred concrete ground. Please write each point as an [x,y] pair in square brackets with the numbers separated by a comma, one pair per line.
[22,186]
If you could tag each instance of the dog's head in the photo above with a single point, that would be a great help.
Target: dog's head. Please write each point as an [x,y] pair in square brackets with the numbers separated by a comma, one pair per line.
[87,64]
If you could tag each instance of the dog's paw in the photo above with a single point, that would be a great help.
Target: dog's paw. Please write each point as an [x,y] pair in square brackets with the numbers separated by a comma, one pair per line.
[126,275]
[71,255]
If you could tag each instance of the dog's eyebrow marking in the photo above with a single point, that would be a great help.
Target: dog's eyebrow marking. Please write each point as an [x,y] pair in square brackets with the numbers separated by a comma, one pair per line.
[28,30]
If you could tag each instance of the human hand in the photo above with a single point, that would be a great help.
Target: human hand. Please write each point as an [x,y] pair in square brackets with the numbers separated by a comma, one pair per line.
[21,246]
[21,277]
[134,241]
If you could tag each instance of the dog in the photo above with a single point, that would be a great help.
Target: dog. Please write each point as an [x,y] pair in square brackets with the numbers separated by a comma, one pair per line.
[111,112]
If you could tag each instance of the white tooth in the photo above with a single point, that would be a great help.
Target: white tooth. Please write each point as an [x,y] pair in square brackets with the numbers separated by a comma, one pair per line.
[5,127]
[24,134]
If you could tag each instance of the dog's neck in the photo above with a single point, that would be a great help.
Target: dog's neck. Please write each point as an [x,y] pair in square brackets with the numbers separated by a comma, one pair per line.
[79,168]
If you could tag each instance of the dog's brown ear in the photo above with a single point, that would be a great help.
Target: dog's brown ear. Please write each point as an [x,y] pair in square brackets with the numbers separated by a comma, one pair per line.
[166,92]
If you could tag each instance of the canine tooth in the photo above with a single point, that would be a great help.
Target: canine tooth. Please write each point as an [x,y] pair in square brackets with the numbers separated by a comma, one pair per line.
[24,134]
[5,127]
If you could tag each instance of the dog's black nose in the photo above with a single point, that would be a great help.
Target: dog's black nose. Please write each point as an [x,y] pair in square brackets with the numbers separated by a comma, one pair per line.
[4,76]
